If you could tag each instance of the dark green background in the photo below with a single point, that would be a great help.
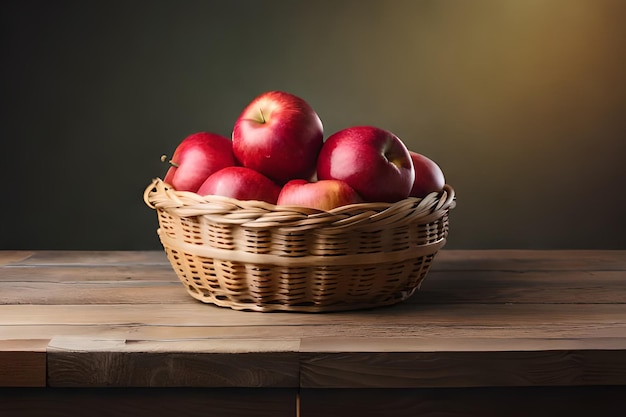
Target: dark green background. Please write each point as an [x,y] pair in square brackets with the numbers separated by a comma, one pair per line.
[522,103]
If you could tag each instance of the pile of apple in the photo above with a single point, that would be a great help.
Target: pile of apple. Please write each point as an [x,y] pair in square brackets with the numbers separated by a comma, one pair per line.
[278,154]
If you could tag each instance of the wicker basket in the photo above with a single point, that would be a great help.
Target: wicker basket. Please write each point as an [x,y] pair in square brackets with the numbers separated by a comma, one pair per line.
[249,255]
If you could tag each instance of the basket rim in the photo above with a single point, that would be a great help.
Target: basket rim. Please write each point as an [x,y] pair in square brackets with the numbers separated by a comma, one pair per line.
[160,195]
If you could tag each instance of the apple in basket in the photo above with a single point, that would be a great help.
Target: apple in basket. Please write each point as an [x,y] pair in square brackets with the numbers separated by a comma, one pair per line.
[241,183]
[428,176]
[373,161]
[279,135]
[321,194]
[196,157]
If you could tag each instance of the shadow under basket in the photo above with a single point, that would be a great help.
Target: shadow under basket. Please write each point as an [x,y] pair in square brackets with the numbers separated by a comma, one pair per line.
[250,255]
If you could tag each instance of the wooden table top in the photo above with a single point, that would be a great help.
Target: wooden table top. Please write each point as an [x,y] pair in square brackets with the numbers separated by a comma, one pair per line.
[482,318]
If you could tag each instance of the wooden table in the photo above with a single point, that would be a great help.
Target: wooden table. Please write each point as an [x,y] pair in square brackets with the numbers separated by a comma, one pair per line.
[499,332]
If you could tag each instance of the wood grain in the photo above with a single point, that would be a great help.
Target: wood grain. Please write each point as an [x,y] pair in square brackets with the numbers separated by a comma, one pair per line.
[92,292]
[9,257]
[463,369]
[88,273]
[529,287]
[194,313]
[81,362]
[531,260]
[481,319]
[93,258]
[23,363]
[477,277]
[550,332]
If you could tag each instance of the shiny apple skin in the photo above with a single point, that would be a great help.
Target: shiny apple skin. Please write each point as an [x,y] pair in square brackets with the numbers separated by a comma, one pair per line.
[241,183]
[279,135]
[196,157]
[322,195]
[429,177]
[373,161]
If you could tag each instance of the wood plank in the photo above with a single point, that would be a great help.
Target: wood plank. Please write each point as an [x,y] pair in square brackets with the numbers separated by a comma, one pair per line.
[465,402]
[563,287]
[502,317]
[93,292]
[23,363]
[69,284]
[148,402]
[339,344]
[418,315]
[82,362]
[463,369]
[549,331]
[95,258]
[86,273]
[111,285]
[531,260]
[13,256]
[441,286]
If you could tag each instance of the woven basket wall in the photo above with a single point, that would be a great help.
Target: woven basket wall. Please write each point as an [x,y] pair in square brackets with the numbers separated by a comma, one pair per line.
[255,256]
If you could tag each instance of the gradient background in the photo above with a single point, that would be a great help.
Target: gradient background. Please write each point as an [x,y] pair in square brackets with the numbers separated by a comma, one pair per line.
[521,102]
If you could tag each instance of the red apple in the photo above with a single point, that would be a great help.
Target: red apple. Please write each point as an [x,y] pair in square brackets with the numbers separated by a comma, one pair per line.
[373,161]
[321,195]
[428,176]
[279,135]
[196,157]
[241,183]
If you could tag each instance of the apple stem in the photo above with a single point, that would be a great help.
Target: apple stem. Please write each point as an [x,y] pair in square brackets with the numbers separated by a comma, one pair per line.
[172,163]
[262,115]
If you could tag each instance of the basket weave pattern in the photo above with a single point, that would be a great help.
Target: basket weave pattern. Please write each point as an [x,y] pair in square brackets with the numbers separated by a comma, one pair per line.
[249,255]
